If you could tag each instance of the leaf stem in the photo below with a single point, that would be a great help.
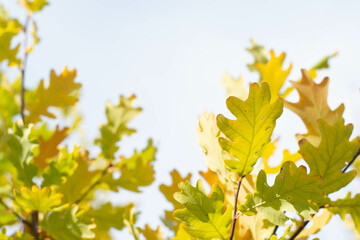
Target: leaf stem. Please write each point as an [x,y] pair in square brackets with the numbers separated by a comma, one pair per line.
[275,230]
[23,67]
[233,223]
[300,228]
[15,213]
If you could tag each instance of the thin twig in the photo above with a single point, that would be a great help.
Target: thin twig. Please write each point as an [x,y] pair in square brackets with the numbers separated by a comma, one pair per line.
[302,226]
[94,184]
[233,223]
[35,224]
[23,67]
[351,162]
[15,213]
[275,229]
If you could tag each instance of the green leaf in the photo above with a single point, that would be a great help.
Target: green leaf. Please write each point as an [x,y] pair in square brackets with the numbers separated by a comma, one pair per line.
[6,216]
[136,171]
[332,155]
[66,225]
[147,155]
[292,191]
[21,153]
[347,206]
[258,53]
[204,215]
[252,129]
[37,199]
[107,217]
[58,171]
[324,62]
[116,128]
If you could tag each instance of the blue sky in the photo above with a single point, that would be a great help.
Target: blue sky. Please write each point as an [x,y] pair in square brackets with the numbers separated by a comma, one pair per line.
[171,54]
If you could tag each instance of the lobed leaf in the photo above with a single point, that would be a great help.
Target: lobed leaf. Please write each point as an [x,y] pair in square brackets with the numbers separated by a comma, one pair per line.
[204,215]
[292,191]
[252,129]
[331,155]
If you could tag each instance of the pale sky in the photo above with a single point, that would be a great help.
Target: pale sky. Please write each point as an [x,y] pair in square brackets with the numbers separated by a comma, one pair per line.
[171,54]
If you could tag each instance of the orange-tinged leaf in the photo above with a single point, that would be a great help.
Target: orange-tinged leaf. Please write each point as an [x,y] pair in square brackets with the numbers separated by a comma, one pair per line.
[48,148]
[152,234]
[168,192]
[313,106]
[62,92]
[272,73]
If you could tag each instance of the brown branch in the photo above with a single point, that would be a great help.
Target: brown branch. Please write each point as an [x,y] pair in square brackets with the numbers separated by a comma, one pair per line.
[23,67]
[15,213]
[35,224]
[94,184]
[298,231]
[233,223]
[275,230]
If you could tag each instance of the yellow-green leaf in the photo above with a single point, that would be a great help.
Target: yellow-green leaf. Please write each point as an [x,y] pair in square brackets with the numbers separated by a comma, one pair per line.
[252,129]
[116,128]
[331,156]
[205,216]
[292,191]
[347,206]
[34,5]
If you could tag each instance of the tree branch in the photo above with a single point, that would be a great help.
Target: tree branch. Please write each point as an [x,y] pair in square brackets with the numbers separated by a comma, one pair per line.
[233,223]
[23,67]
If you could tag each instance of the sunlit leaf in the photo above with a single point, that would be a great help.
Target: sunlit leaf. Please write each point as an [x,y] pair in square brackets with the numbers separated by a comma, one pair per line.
[252,129]
[66,225]
[292,191]
[37,199]
[205,216]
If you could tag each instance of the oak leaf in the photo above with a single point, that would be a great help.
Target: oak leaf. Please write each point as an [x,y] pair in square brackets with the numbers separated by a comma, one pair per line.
[252,129]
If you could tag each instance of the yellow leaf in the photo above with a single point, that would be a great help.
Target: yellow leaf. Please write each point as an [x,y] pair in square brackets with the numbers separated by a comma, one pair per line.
[234,87]
[268,152]
[34,5]
[62,92]
[272,73]
[37,199]
[313,106]
[207,136]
